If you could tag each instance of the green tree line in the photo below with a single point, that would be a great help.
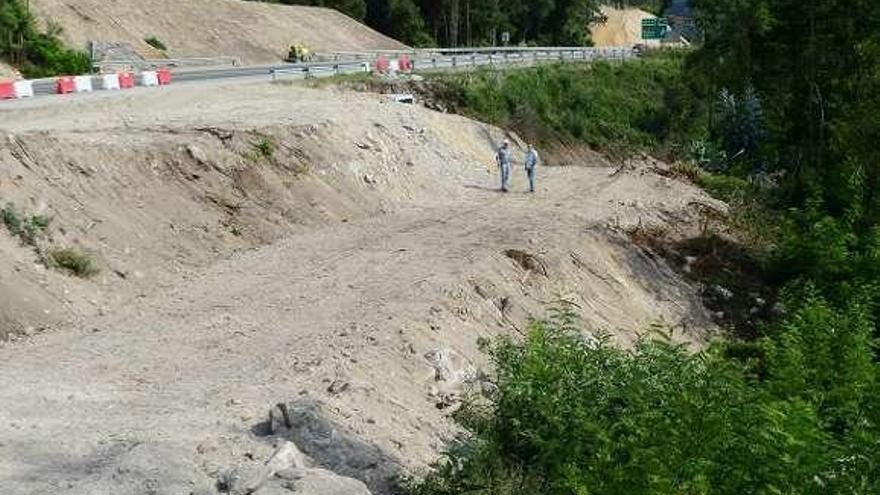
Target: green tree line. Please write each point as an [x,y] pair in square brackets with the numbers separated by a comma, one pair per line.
[35,52]
[453,23]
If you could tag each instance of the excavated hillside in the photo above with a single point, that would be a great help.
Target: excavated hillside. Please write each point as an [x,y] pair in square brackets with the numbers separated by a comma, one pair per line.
[254,31]
[260,244]
[623,27]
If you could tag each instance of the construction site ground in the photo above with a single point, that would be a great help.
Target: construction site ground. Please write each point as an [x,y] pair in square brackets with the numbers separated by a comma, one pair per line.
[259,243]
[255,32]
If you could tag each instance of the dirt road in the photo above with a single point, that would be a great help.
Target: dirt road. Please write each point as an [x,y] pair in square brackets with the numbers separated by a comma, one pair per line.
[165,390]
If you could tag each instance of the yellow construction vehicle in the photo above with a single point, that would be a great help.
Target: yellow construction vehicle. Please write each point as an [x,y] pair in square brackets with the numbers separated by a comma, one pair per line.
[300,53]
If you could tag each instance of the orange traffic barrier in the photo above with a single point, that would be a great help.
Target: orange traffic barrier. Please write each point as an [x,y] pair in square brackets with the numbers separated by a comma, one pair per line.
[164,76]
[382,64]
[65,85]
[7,90]
[126,80]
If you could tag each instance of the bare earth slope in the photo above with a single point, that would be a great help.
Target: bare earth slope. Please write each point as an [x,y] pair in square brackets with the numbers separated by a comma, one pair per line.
[623,27]
[257,32]
[384,245]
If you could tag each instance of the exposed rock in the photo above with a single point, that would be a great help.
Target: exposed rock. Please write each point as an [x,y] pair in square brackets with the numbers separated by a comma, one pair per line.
[243,479]
[331,446]
[246,479]
[320,482]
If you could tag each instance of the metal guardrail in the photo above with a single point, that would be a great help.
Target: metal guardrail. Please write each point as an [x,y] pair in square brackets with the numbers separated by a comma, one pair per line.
[454,59]
[169,62]
[422,60]
[430,52]
[309,71]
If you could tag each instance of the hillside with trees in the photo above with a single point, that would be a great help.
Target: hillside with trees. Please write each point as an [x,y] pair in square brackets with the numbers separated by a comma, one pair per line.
[479,22]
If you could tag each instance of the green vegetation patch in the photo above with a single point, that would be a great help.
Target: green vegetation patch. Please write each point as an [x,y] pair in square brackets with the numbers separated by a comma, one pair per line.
[26,227]
[799,412]
[155,43]
[602,104]
[75,262]
[35,52]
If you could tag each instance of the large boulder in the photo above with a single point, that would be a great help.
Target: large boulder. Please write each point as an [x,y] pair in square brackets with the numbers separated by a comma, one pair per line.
[333,447]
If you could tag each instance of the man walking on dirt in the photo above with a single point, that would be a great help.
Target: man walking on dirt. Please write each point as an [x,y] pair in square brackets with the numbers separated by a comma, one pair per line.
[503,159]
[532,160]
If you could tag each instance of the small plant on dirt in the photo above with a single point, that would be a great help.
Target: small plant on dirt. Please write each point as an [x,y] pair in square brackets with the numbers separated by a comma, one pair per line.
[26,228]
[264,148]
[155,43]
[76,262]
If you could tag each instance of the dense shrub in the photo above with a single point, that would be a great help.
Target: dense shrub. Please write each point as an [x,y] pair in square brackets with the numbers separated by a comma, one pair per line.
[573,416]
[36,53]
[601,104]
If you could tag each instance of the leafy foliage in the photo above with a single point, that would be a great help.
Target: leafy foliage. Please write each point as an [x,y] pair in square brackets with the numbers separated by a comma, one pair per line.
[602,104]
[155,43]
[576,416]
[76,262]
[36,53]
[474,22]
[27,228]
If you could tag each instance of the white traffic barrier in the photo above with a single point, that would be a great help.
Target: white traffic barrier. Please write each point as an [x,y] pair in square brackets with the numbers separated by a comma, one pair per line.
[109,81]
[82,84]
[149,78]
[24,89]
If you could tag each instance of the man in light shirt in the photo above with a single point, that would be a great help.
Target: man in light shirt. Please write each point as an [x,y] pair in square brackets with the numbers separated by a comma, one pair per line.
[532,160]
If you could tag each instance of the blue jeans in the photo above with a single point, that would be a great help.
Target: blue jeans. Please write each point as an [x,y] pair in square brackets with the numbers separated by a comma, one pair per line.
[505,176]
[531,173]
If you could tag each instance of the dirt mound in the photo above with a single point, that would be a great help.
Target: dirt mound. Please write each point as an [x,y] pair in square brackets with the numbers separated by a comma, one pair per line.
[6,72]
[254,31]
[623,27]
[262,243]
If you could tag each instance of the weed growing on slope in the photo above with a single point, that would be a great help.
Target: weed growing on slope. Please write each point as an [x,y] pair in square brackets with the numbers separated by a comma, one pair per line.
[25,227]
[155,43]
[75,262]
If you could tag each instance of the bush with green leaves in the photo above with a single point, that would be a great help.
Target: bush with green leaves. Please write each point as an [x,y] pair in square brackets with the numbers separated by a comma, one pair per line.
[601,104]
[36,53]
[74,261]
[155,43]
[26,227]
[574,416]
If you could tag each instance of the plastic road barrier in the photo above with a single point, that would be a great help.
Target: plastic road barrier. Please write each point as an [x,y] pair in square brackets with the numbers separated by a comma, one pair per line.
[64,85]
[24,89]
[126,80]
[149,78]
[82,84]
[109,81]
[163,76]
[7,90]
[382,64]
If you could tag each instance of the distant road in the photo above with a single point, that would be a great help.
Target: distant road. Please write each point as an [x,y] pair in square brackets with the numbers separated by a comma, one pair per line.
[352,62]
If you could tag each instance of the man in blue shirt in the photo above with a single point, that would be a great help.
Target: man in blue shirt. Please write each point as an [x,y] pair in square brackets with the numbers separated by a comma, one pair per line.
[503,159]
[532,161]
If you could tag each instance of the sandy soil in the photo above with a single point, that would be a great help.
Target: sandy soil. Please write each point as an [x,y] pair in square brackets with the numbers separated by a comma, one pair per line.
[623,27]
[256,32]
[6,72]
[370,239]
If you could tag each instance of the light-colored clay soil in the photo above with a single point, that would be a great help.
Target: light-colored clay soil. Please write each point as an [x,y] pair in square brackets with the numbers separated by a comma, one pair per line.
[254,31]
[369,238]
[623,27]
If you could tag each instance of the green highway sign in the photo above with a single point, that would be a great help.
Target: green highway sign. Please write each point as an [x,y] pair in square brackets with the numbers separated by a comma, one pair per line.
[654,28]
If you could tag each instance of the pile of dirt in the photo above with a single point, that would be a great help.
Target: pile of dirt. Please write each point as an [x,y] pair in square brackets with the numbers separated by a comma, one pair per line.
[256,32]
[6,72]
[260,244]
[623,27]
